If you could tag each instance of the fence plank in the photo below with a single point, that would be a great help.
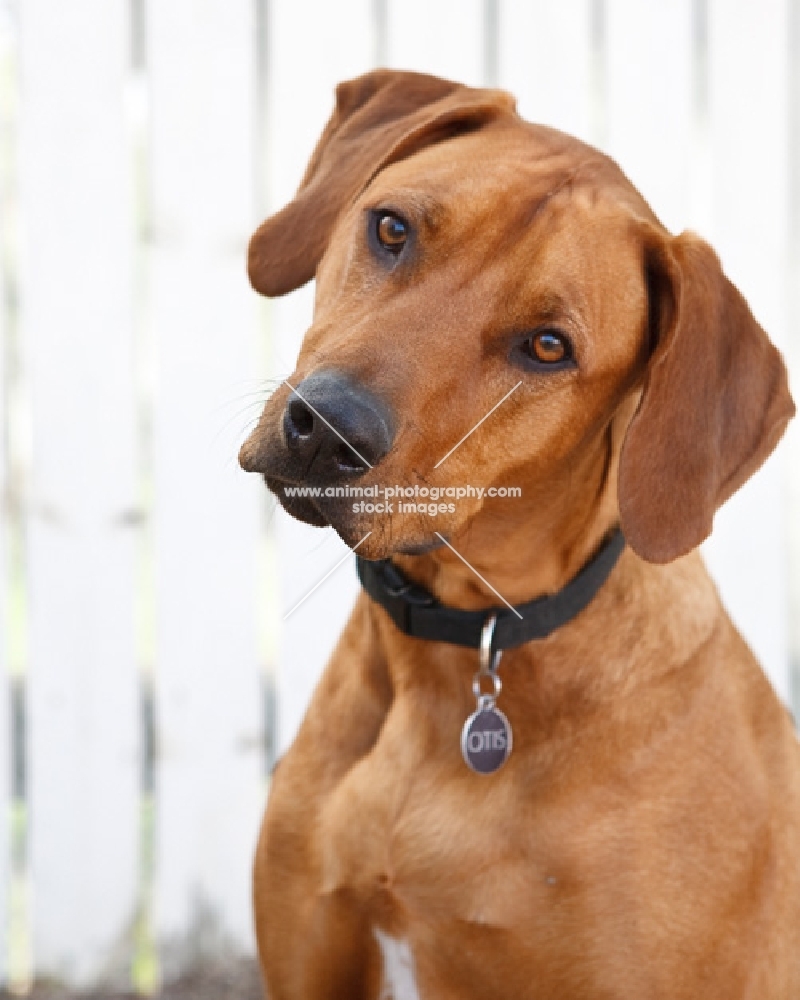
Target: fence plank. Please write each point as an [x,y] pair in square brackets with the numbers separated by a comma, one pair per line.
[445,38]
[304,69]
[545,57]
[75,292]
[201,61]
[648,70]
[749,121]
[5,727]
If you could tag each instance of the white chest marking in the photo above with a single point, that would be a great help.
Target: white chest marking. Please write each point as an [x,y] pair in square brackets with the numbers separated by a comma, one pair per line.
[398,969]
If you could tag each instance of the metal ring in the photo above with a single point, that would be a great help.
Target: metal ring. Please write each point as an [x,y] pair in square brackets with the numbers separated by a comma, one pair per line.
[487,634]
[477,686]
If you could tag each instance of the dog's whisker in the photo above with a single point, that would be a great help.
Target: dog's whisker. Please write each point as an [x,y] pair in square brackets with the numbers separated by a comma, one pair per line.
[264,393]
[250,423]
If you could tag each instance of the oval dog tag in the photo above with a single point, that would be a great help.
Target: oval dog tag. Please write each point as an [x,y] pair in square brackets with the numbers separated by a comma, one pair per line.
[486,740]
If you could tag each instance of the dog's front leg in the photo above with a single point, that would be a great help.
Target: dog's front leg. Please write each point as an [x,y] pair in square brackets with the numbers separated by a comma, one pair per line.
[315,941]
[312,946]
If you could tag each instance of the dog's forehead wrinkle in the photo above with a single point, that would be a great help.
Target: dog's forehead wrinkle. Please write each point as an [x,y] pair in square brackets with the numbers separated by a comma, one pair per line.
[468,168]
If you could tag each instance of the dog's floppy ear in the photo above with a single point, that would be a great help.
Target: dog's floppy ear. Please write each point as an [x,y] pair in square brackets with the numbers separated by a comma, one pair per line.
[714,405]
[379,118]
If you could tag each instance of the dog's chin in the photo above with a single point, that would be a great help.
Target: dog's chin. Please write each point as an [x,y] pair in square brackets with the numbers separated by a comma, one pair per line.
[420,548]
[376,541]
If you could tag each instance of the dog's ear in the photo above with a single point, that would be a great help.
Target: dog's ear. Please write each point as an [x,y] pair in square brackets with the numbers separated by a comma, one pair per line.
[714,405]
[379,118]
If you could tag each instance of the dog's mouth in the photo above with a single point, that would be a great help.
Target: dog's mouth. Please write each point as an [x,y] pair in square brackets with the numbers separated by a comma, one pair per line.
[312,506]
[304,508]
[373,538]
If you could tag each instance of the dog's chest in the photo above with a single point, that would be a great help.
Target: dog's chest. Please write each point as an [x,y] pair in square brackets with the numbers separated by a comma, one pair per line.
[409,836]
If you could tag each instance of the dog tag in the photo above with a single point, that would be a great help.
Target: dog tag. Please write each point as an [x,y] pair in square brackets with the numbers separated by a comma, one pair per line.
[486,740]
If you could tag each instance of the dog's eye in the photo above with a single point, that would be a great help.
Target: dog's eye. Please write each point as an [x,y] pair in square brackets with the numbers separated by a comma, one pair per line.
[548,348]
[392,232]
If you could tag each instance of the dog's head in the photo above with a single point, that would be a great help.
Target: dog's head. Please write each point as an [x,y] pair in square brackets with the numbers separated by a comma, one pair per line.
[464,257]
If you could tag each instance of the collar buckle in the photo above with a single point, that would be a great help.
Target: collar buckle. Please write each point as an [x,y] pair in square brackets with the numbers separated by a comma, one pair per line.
[397,585]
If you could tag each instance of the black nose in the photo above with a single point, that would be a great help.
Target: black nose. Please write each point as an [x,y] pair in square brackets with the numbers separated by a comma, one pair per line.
[336,427]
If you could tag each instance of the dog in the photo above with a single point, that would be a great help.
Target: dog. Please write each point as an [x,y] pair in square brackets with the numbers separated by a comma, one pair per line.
[496,305]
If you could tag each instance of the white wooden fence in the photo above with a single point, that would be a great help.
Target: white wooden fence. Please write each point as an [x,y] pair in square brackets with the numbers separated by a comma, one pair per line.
[140,142]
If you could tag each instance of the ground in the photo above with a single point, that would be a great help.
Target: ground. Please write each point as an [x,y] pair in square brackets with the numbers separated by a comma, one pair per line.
[237,982]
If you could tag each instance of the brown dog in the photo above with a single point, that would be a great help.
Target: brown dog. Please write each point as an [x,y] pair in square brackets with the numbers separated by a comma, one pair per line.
[643,838]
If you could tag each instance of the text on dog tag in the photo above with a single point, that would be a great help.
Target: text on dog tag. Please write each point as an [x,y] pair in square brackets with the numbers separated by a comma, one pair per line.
[486,740]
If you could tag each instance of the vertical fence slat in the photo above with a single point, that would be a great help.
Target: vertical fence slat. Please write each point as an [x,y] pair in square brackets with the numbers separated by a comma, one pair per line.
[304,68]
[748,62]
[545,61]
[201,64]
[445,38]
[649,90]
[5,715]
[75,293]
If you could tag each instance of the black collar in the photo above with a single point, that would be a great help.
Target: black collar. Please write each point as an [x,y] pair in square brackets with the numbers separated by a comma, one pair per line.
[418,613]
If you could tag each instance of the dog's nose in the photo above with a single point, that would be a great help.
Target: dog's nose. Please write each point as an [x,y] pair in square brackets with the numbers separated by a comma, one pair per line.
[338,428]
